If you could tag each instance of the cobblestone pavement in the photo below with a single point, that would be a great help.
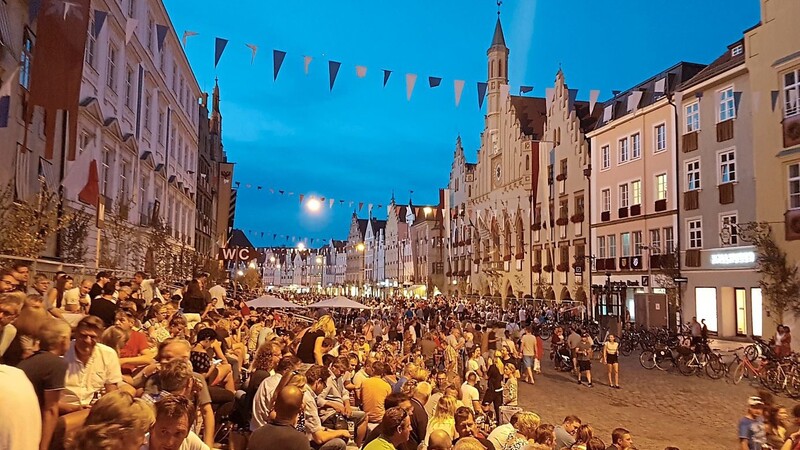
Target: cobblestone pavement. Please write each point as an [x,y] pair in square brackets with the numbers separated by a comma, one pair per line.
[660,409]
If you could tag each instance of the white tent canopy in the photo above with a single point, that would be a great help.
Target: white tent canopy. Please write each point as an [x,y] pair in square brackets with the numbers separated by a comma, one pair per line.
[339,302]
[270,301]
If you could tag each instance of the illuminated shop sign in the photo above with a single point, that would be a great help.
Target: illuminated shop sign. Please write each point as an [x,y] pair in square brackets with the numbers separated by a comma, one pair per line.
[733,258]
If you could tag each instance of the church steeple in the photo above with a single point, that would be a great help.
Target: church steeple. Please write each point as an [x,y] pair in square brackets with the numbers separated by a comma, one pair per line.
[216,115]
[498,73]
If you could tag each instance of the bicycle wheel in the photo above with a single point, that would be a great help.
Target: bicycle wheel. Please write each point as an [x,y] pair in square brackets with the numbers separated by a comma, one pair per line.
[793,385]
[739,372]
[686,365]
[665,362]
[626,348]
[546,332]
[715,369]
[647,359]
[751,352]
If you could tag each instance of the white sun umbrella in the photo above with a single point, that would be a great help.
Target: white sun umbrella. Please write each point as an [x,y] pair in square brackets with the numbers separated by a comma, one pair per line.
[270,301]
[339,302]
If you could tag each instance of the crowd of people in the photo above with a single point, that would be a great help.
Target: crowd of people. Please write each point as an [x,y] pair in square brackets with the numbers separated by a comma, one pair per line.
[131,364]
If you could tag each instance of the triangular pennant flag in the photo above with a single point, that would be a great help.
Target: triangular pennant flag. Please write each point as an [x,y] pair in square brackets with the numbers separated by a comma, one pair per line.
[33,9]
[548,96]
[331,203]
[458,86]
[341,202]
[434,81]
[274,235]
[277,60]
[774,99]
[219,47]
[99,21]
[161,35]
[525,89]
[306,63]
[130,27]
[386,75]
[253,50]
[187,35]
[360,205]
[481,93]
[361,71]
[573,95]
[737,98]
[369,208]
[411,80]
[301,198]
[593,95]
[333,70]
[281,192]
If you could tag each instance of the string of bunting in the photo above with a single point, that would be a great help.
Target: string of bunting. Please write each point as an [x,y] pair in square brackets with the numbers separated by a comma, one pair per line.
[286,237]
[279,56]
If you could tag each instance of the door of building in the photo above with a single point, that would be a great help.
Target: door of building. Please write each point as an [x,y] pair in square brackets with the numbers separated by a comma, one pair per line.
[741,312]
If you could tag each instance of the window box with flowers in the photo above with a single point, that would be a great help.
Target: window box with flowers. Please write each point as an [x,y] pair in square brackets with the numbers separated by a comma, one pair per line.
[563,267]
[536,226]
[537,268]
[468,242]
[507,257]
[561,177]
[548,268]
[520,255]
[580,264]
[561,221]
[476,260]
[577,218]
[486,259]
[449,273]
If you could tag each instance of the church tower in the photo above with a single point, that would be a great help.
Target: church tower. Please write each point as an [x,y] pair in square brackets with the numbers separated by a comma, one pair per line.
[498,74]
[216,115]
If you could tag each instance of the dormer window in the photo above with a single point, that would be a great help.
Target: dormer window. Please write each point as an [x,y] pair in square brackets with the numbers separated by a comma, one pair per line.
[737,50]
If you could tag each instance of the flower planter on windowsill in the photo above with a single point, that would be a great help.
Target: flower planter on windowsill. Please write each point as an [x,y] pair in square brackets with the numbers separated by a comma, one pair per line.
[561,221]
[520,256]
[476,260]
[563,267]
[577,218]
[507,257]
[537,268]
[536,227]
[548,268]
[561,177]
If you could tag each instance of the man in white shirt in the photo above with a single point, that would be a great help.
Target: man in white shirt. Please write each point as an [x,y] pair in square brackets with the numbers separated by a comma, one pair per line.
[470,396]
[262,401]
[20,418]
[500,435]
[77,299]
[148,288]
[171,430]
[91,367]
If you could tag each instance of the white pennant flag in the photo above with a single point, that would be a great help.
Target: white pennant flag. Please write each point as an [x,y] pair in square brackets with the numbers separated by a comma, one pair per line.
[411,79]
[593,95]
[130,27]
[330,203]
[459,88]
[253,49]
[548,93]
[361,71]
[306,63]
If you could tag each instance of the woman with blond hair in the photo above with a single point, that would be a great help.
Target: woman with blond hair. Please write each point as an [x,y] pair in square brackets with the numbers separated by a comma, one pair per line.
[525,427]
[117,421]
[310,349]
[30,319]
[444,417]
[583,435]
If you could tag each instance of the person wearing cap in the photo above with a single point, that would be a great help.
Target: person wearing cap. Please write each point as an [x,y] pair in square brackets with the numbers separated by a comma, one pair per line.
[752,435]
[583,353]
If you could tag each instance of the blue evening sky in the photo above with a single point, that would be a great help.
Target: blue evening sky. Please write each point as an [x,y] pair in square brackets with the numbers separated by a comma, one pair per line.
[361,142]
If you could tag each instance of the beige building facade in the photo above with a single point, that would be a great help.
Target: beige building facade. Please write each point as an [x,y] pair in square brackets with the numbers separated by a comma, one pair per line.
[772,59]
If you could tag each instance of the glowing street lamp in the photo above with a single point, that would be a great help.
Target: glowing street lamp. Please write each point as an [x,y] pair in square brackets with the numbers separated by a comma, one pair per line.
[272,259]
[427,210]
[240,273]
[360,246]
[301,246]
[313,205]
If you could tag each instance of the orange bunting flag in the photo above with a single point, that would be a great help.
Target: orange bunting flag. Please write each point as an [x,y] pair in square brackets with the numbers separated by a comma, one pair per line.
[360,205]
[301,198]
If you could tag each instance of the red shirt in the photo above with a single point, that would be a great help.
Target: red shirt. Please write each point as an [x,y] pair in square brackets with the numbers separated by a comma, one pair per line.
[137,343]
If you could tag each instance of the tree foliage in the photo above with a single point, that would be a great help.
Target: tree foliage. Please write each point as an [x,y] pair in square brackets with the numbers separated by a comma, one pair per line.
[27,224]
[779,283]
[73,238]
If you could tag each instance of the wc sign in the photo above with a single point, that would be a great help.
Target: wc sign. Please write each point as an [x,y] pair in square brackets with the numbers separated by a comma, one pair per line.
[238,254]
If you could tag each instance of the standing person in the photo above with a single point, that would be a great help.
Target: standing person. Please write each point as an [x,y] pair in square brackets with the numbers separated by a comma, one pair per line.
[527,347]
[494,389]
[611,360]
[572,342]
[752,435]
[583,353]
[396,430]
[97,288]
[46,371]
[696,330]
[470,396]
[620,439]
[105,306]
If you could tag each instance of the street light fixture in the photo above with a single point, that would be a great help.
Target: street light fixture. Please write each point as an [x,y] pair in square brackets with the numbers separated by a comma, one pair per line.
[301,246]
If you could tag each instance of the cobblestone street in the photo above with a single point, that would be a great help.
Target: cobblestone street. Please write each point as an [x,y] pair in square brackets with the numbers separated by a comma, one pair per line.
[660,409]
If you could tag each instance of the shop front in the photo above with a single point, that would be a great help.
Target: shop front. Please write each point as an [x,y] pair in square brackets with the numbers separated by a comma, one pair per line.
[724,292]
